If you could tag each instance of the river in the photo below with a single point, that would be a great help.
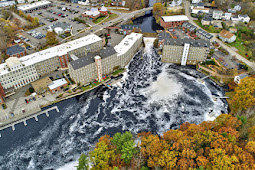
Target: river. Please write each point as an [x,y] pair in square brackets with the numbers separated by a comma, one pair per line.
[154,97]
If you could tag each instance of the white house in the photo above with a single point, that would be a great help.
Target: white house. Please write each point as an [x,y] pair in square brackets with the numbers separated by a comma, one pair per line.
[226,36]
[21,1]
[237,8]
[227,16]
[84,2]
[238,78]
[244,18]
[196,1]
[197,10]
[217,14]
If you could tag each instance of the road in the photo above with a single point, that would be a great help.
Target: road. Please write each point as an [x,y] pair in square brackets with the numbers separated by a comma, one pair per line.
[229,49]
[97,27]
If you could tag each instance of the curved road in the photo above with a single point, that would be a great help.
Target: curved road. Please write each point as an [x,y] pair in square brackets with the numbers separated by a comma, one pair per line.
[229,49]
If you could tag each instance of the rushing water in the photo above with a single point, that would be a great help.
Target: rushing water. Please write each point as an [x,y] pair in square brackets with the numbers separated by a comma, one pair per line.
[154,97]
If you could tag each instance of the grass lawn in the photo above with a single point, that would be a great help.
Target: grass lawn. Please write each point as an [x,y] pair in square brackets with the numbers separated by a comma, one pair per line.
[111,16]
[239,46]
[118,71]
[99,19]
[209,29]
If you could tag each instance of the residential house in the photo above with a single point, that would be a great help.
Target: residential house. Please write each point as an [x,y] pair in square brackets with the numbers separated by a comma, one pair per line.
[189,27]
[196,1]
[200,10]
[116,3]
[217,14]
[16,51]
[239,78]
[206,20]
[233,30]
[237,8]
[204,35]
[241,18]
[226,36]
[226,16]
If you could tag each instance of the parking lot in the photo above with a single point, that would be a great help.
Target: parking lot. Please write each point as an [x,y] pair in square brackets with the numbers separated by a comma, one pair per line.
[60,12]
[226,60]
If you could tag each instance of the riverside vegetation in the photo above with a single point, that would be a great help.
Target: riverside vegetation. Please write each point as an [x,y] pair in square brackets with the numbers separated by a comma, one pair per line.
[228,142]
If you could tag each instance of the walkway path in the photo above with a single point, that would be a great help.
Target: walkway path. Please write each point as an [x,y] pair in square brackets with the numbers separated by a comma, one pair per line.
[229,49]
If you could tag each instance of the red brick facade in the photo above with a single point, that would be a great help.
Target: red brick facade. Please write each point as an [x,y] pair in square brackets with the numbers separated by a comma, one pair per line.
[63,61]
[170,24]
[104,13]
[2,94]
[18,55]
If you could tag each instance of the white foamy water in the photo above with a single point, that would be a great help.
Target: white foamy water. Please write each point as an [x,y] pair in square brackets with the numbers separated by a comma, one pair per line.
[154,97]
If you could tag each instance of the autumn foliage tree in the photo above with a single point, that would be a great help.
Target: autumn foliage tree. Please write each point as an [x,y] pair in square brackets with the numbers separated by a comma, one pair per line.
[157,11]
[51,38]
[244,96]
[209,145]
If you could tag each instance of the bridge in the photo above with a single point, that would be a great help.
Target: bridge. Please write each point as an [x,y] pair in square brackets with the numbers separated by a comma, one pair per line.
[24,120]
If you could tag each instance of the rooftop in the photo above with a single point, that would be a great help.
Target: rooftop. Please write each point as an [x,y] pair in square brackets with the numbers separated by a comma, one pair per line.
[12,61]
[243,75]
[190,26]
[175,18]
[204,33]
[193,43]
[226,34]
[58,50]
[62,25]
[14,50]
[57,83]
[33,5]
[81,62]
[127,43]
[163,35]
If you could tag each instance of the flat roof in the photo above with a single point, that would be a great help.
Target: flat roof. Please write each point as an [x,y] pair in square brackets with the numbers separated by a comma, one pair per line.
[175,18]
[59,50]
[193,43]
[33,5]
[57,83]
[127,43]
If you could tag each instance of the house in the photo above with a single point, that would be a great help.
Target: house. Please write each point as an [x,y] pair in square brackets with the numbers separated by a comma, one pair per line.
[206,20]
[16,51]
[196,1]
[173,21]
[189,27]
[233,11]
[84,2]
[21,1]
[6,3]
[200,10]
[57,85]
[127,29]
[238,78]
[204,35]
[60,28]
[226,16]
[41,86]
[237,8]
[217,14]
[241,18]
[117,3]
[93,13]
[244,18]
[226,36]
[103,11]
[233,30]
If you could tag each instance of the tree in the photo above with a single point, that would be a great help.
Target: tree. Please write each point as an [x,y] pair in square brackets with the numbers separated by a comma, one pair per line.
[35,21]
[83,162]
[29,18]
[157,11]
[51,38]
[21,13]
[213,4]
[243,98]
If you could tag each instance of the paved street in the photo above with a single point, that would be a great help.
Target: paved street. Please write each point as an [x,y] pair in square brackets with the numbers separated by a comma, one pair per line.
[229,49]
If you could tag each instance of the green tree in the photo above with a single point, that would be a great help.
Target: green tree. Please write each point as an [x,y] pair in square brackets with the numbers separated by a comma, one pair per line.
[35,21]
[51,38]
[83,162]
